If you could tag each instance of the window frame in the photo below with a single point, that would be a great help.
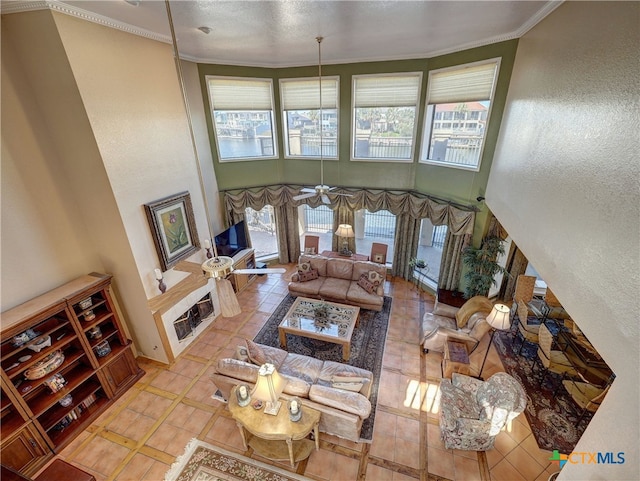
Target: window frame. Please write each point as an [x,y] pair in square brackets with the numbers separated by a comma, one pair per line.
[352,144]
[430,114]
[285,123]
[212,113]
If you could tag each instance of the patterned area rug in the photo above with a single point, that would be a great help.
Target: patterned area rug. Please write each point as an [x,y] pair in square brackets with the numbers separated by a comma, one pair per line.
[367,347]
[550,411]
[204,462]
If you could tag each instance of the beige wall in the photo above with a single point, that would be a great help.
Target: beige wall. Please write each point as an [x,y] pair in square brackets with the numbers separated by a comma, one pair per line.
[100,134]
[564,184]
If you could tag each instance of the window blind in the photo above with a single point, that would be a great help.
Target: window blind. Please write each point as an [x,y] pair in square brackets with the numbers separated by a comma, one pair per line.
[462,85]
[386,90]
[240,94]
[304,94]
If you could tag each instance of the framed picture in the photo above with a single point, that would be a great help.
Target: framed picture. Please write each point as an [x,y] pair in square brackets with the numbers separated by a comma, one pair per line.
[173,228]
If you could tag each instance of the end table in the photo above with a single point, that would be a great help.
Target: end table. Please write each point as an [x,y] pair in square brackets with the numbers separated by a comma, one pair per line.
[276,437]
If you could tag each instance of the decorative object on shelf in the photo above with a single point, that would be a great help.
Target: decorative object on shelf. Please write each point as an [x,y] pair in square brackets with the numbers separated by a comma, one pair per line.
[499,318]
[242,395]
[295,409]
[102,349]
[94,333]
[66,401]
[89,315]
[173,228]
[346,232]
[26,336]
[85,303]
[269,386]
[56,382]
[482,265]
[207,246]
[160,278]
[50,363]
[40,344]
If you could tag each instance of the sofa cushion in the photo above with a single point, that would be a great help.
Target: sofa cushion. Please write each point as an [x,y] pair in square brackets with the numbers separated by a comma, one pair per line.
[303,367]
[442,309]
[331,369]
[340,269]
[351,402]
[309,288]
[335,288]
[352,386]
[358,295]
[317,262]
[308,275]
[238,369]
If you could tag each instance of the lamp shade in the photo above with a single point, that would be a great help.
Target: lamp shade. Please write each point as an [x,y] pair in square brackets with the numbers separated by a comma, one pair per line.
[345,230]
[269,384]
[499,317]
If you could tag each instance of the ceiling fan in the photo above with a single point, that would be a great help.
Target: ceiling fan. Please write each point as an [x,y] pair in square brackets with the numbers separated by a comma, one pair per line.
[320,190]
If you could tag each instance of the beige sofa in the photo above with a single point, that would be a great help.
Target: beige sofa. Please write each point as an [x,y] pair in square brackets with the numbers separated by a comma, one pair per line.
[343,409]
[338,282]
[466,324]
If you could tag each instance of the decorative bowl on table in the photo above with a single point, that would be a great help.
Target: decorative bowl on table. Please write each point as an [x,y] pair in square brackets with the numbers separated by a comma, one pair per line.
[50,363]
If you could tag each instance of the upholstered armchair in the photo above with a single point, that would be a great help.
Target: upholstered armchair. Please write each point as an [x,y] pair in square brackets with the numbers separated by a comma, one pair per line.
[473,412]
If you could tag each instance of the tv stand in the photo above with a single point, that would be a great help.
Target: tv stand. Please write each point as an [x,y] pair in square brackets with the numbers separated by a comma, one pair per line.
[245,259]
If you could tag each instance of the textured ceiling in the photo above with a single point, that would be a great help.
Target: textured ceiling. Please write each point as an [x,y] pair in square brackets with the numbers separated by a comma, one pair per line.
[282,32]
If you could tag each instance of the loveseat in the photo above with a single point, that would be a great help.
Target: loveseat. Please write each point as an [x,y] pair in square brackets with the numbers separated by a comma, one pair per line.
[339,391]
[340,280]
[466,324]
[472,412]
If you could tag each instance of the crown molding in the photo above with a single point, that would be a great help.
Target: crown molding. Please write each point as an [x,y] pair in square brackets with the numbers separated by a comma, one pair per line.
[54,5]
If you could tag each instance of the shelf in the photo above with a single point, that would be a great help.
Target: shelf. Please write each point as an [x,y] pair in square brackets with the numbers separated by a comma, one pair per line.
[58,344]
[116,349]
[70,356]
[100,317]
[74,377]
[54,415]
[61,438]
[106,334]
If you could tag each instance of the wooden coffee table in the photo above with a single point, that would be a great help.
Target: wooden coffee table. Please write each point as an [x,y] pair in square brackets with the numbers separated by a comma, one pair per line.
[276,437]
[337,327]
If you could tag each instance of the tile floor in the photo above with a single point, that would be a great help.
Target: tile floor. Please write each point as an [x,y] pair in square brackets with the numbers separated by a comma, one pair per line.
[142,433]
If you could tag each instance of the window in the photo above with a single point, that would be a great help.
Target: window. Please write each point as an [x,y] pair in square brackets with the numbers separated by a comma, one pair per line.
[379,226]
[430,248]
[262,230]
[242,111]
[463,93]
[301,117]
[318,221]
[384,116]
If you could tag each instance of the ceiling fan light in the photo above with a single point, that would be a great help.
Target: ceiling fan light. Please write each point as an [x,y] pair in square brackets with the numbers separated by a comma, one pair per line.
[218,267]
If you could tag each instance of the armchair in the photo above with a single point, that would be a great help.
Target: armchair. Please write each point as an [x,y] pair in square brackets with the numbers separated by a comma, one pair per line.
[473,412]
[466,324]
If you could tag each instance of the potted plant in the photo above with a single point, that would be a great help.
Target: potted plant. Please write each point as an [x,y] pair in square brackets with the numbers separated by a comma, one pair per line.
[482,266]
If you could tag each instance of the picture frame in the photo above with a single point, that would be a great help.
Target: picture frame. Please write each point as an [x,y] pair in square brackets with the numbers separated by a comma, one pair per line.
[173,228]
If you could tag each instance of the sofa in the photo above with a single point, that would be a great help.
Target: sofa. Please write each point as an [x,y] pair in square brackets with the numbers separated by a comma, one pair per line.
[473,412]
[339,391]
[466,324]
[340,280]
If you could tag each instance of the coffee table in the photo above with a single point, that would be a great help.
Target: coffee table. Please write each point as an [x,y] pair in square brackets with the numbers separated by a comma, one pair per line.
[336,328]
[276,437]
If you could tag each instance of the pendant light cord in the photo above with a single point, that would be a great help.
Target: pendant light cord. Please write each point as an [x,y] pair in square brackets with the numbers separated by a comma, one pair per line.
[319,39]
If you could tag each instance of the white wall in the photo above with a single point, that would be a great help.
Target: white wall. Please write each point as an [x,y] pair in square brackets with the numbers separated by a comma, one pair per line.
[564,184]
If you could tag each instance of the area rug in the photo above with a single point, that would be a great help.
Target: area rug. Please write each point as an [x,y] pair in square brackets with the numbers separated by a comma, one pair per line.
[550,411]
[204,462]
[367,347]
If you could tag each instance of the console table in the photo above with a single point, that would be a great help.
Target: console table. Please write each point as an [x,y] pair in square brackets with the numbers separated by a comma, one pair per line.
[353,257]
[276,437]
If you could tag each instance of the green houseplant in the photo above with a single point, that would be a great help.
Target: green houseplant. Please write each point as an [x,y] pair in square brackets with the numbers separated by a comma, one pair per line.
[482,266]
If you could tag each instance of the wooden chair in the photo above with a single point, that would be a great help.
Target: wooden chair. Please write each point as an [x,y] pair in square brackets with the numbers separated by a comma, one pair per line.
[379,253]
[550,359]
[587,396]
[554,309]
[311,244]
[528,332]
[524,292]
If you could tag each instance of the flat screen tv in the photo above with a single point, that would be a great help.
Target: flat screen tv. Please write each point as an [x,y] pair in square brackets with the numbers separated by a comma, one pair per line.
[232,240]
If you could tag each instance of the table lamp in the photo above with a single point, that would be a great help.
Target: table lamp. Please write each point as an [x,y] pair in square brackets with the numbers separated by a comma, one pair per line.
[498,318]
[345,231]
[269,386]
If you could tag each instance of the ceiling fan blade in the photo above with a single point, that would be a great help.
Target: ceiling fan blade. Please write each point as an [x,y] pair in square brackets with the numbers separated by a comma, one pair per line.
[326,199]
[346,195]
[269,270]
[303,196]
[308,189]
[330,188]
[228,301]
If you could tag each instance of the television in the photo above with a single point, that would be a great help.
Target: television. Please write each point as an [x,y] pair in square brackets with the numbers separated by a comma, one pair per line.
[232,240]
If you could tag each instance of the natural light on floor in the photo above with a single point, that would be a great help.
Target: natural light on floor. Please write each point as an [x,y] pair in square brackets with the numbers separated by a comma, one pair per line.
[423,395]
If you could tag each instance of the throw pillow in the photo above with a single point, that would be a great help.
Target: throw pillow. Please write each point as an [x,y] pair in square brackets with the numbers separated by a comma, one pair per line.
[256,354]
[304,267]
[366,284]
[379,258]
[308,275]
[375,278]
[242,353]
[310,250]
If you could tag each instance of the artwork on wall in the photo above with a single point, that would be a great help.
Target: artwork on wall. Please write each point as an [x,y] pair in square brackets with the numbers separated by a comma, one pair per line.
[173,228]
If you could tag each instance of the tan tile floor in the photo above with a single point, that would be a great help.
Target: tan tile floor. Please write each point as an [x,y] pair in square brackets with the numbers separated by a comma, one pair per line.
[142,433]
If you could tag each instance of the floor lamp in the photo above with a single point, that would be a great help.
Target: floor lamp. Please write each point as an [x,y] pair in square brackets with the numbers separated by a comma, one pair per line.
[499,318]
